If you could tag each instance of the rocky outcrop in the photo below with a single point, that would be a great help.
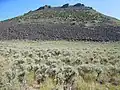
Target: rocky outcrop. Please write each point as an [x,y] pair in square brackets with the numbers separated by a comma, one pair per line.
[65,6]
[44,7]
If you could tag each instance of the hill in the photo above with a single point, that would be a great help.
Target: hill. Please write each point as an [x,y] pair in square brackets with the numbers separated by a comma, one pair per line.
[67,22]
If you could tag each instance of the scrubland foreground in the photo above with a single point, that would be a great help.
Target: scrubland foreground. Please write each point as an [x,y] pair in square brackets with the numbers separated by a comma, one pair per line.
[59,65]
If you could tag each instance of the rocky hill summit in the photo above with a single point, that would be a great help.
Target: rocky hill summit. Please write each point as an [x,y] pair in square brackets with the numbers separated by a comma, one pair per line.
[67,22]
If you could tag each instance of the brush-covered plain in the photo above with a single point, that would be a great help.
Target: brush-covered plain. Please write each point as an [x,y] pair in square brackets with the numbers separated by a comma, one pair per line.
[59,65]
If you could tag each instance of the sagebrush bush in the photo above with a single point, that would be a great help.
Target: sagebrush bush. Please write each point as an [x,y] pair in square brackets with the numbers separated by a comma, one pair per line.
[83,68]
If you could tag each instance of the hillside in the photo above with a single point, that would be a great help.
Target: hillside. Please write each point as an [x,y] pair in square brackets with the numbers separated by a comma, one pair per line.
[67,22]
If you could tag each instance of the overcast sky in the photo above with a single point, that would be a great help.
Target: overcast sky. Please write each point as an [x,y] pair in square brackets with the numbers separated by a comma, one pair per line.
[12,8]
